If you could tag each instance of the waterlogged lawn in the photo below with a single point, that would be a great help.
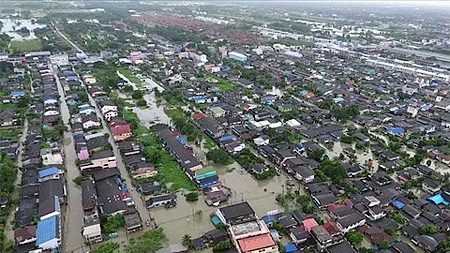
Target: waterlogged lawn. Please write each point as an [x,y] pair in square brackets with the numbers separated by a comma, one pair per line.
[169,170]
[128,74]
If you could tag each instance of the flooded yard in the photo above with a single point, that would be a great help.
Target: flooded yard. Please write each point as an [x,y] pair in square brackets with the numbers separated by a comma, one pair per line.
[12,26]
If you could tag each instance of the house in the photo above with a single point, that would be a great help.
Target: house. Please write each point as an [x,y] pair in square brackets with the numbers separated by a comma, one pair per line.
[110,115]
[262,140]
[143,170]
[90,121]
[109,194]
[303,173]
[106,106]
[48,174]
[129,148]
[51,188]
[49,207]
[51,156]
[92,231]
[322,237]
[309,224]
[49,235]
[85,110]
[236,214]
[149,188]
[121,132]
[25,235]
[88,195]
[258,243]
[103,159]
[343,247]
[430,186]
[133,221]
[259,168]
[160,200]
[350,222]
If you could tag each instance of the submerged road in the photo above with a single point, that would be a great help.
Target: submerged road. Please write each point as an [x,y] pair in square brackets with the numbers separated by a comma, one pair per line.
[73,218]
[139,203]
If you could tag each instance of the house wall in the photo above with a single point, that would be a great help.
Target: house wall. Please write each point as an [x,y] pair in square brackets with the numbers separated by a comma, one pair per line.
[103,163]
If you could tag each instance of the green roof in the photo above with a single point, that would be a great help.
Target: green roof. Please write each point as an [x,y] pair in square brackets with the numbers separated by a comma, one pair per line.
[204,171]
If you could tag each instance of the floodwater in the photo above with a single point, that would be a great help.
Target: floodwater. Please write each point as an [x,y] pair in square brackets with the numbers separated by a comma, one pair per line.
[362,157]
[153,114]
[194,218]
[10,26]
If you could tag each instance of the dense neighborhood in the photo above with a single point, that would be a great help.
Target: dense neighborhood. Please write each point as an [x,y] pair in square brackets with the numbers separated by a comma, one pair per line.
[183,128]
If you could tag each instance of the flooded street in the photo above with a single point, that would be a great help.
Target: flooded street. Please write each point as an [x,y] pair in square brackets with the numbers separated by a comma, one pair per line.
[73,218]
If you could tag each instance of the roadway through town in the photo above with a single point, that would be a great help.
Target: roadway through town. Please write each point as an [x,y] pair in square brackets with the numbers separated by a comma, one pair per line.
[73,217]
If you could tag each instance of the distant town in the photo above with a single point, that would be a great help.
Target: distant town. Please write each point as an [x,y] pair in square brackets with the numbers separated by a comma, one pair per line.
[232,127]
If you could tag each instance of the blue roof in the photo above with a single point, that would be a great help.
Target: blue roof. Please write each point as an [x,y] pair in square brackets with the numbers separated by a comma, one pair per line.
[17,93]
[268,219]
[197,98]
[50,98]
[290,247]
[396,130]
[439,199]
[47,230]
[338,99]
[398,204]
[48,172]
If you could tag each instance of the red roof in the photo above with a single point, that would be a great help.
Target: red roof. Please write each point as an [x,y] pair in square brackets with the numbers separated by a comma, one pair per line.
[348,202]
[198,116]
[331,227]
[256,242]
[122,129]
[116,122]
[309,224]
[335,206]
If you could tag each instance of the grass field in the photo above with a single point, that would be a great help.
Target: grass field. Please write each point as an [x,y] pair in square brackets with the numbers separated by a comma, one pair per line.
[26,46]
[128,74]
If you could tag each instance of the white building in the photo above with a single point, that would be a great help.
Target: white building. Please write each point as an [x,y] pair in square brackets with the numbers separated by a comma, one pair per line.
[59,59]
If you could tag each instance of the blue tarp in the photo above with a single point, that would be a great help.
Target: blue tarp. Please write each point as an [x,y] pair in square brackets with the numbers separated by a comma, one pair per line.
[47,230]
[290,248]
[72,78]
[48,172]
[396,130]
[398,204]
[228,138]
[439,199]
[181,140]
[17,93]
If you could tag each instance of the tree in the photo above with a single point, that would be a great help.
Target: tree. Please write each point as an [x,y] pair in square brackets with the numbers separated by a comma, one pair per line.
[187,241]
[355,237]
[366,250]
[333,170]
[223,245]
[150,242]
[427,230]
[385,245]
[191,197]
[317,154]
[219,156]
[108,247]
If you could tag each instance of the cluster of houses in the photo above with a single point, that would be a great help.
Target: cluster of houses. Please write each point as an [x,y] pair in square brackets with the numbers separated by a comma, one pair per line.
[103,190]
[290,129]
[38,216]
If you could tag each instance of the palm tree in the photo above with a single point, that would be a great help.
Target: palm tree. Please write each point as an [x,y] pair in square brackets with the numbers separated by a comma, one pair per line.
[187,241]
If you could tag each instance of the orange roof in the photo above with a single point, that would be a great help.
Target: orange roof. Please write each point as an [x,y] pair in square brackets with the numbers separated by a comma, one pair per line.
[256,242]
